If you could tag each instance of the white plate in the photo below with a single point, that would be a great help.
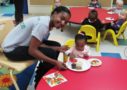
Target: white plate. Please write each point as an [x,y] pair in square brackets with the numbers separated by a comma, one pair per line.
[110,12]
[85,65]
[92,59]
[109,18]
[91,7]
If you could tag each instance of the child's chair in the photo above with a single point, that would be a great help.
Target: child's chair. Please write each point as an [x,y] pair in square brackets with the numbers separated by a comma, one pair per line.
[68,43]
[52,6]
[5,28]
[91,31]
[114,35]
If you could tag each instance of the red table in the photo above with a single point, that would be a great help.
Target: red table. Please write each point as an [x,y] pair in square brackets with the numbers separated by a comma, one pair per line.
[80,13]
[112,75]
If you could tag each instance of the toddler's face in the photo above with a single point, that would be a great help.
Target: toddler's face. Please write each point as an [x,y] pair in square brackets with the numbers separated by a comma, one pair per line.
[80,44]
[119,5]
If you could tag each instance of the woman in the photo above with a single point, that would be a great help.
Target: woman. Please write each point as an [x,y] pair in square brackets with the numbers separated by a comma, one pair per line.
[28,40]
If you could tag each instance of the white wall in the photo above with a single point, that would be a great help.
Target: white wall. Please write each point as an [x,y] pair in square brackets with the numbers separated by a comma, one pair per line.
[39,9]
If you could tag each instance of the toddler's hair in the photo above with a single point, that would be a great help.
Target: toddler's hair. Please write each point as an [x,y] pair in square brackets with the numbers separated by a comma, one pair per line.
[119,1]
[81,36]
[93,15]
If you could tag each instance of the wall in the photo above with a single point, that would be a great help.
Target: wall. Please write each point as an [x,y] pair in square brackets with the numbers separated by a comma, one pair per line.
[44,6]
[41,2]
[84,2]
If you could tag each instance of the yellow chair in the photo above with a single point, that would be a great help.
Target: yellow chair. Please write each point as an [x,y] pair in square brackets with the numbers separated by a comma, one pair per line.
[114,35]
[68,43]
[5,28]
[51,8]
[52,5]
[91,31]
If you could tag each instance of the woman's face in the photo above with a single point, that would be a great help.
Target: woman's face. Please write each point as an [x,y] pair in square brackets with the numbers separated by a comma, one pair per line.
[60,19]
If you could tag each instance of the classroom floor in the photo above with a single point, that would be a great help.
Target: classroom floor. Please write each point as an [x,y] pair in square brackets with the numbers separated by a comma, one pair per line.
[107,48]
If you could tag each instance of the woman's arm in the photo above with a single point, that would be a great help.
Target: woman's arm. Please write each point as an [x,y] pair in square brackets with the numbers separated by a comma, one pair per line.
[56,48]
[67,52]
[34,51]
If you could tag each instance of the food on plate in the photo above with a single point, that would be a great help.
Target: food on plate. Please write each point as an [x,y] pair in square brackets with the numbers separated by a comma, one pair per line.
[95,62]
[77,65]
[73,65]
[73,60]
[80,65]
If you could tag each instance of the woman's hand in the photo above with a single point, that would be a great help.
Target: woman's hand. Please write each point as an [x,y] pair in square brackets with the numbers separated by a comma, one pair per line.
[61,65]
[63,48]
